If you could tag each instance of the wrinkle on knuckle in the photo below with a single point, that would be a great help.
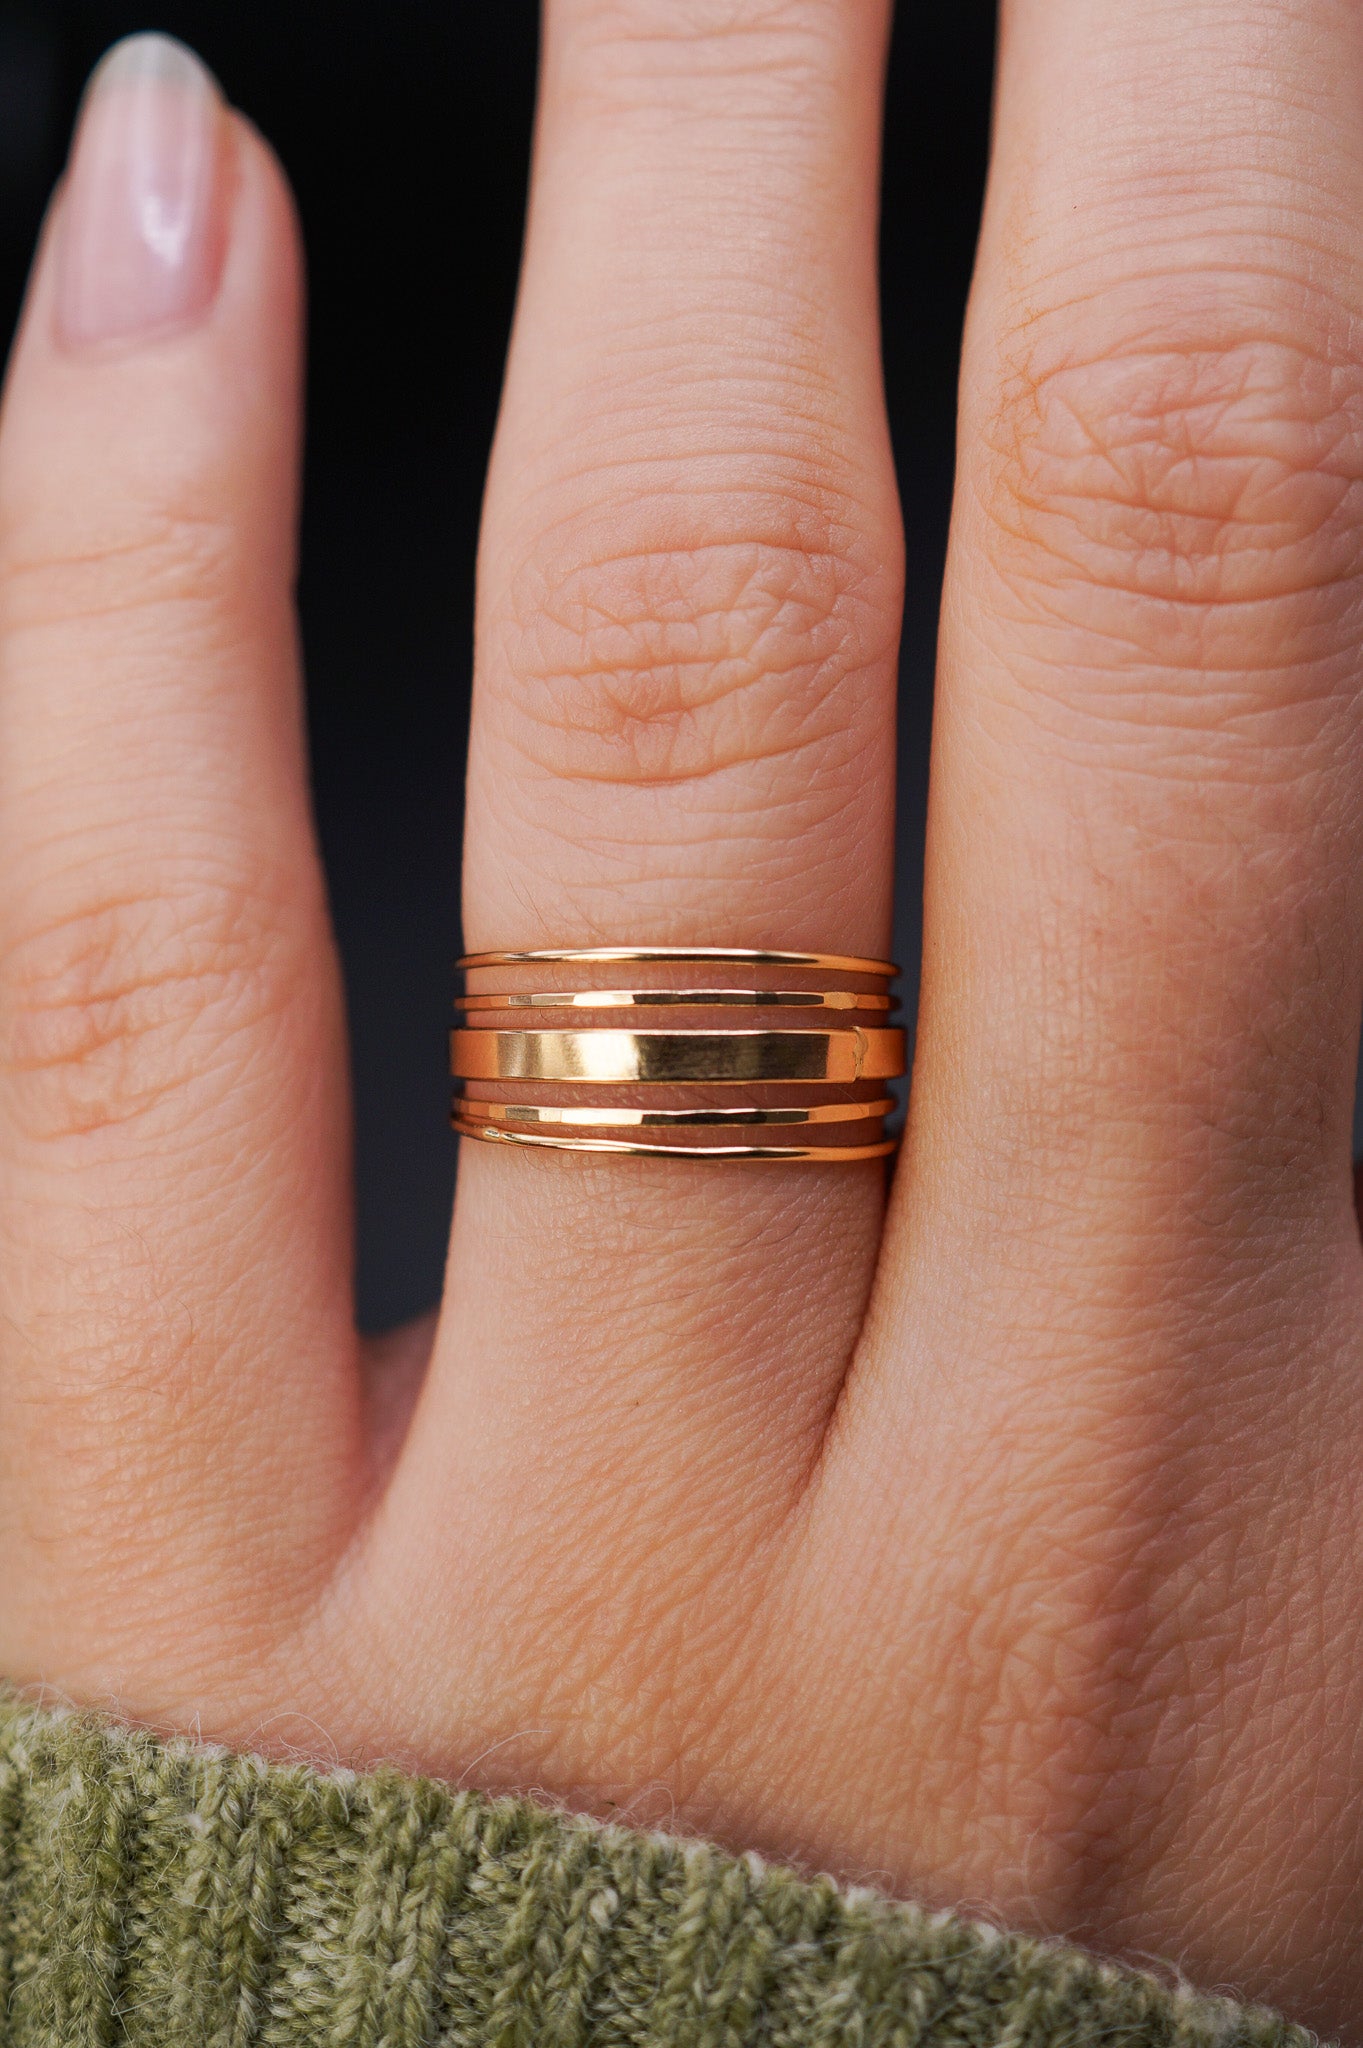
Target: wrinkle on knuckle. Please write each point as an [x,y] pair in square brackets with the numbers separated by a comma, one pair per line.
[1189,500]
[103,1009]
[664,664]
[632,45]
[148,559]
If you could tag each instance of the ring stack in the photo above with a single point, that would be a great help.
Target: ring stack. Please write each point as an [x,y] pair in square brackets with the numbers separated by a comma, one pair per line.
[697,1052]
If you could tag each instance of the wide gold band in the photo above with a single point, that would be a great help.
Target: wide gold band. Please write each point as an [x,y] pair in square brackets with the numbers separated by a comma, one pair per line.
[677,1056]
[734,956]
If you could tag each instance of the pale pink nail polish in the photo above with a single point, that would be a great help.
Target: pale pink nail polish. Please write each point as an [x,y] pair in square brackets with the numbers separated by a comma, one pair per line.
[140,234]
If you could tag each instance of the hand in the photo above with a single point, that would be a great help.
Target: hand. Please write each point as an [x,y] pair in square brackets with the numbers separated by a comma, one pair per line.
[1010,1554]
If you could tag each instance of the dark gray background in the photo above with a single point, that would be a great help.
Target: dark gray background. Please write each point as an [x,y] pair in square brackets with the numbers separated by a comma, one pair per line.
[404,125]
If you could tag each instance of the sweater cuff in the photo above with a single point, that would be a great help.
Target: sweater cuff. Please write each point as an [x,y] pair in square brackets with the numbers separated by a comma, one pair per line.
[165,1892]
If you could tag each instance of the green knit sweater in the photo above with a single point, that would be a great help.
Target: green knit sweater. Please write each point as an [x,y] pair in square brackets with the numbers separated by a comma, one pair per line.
[168,1895]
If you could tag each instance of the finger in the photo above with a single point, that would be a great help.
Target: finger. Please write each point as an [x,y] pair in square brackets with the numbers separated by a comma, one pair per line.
[682,735]
[1146,815]
[1125,1241]
[175,1358]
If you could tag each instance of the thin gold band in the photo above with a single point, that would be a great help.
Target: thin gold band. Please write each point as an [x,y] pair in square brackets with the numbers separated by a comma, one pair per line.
[677,1056]
[677,998]
[840,1155]
[743,956]
[470,1111]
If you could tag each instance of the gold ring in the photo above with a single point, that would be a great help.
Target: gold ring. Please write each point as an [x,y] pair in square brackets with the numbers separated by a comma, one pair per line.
[741,956]
[599,1044]
[676,998]
[788,1154]
[677,1056]
[467,1110]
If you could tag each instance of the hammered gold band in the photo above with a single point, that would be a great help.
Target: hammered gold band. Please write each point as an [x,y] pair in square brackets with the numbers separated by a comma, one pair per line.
[599,1082]
[470,1110]
[829,1155]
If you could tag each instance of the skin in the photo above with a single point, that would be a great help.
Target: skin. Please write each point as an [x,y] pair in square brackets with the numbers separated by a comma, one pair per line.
[1004,1547]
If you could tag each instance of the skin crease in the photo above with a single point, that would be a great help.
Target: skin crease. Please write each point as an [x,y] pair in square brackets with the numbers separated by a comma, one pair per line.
[1011,1558]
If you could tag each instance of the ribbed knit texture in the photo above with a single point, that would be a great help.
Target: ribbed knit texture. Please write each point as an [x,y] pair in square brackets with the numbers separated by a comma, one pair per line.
[167,1895]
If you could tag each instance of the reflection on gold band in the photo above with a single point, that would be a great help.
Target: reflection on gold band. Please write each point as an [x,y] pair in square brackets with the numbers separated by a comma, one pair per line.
[469,1111]
[677,1056]
[740,956]
[835,1155]
[677,998]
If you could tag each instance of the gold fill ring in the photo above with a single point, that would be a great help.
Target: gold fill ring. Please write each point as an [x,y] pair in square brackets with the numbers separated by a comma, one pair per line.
[471,1111]
[740,956]
[678,1056]
[601,1040]
[676,998]
[784,1154]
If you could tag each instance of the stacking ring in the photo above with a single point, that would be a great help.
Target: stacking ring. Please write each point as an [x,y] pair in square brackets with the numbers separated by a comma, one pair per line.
[560,1067]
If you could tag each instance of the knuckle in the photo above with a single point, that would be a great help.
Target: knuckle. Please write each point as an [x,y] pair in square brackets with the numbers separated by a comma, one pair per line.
[631,40]
[1190,497]
[658,664]
[115,1007]
[143,559]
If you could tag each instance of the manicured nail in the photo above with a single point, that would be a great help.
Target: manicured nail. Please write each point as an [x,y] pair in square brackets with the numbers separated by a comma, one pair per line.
[140,237]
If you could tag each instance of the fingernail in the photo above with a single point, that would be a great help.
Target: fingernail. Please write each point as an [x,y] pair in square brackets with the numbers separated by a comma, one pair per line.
[140,237]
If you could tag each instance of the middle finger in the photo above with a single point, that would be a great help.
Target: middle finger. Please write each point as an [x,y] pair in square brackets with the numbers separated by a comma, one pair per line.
[682,735]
